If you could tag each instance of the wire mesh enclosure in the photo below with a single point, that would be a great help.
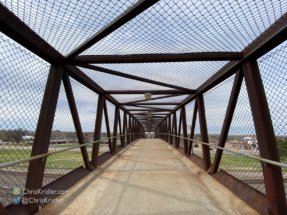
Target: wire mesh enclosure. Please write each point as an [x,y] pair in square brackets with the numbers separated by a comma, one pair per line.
[102,73]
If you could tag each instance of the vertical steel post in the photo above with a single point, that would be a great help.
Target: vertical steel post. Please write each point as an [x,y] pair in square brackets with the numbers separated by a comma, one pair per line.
[228,118]
[98,129]
[166,130]
[125,127]
[120,129]
[174,128]
[130,129]
[203,132]
[184,129]
[41,142]
[75,116]
[179,130]
[274,185]
[190,149]
[115,132]
[108,125]
[169,130]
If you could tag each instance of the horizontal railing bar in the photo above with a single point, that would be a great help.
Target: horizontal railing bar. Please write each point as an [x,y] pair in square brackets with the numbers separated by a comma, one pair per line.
[235,152]
[12,163]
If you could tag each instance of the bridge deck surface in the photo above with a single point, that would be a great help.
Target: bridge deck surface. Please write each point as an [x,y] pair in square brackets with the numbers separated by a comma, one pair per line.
[149,177]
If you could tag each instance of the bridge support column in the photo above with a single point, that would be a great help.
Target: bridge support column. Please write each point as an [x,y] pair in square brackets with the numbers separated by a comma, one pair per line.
[107,125]
[190,149]
[43,133]
[203,132]
[184,129]
[98,128]
[266,138]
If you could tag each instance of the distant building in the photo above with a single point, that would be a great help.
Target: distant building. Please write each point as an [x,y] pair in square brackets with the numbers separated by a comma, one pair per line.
[27,137]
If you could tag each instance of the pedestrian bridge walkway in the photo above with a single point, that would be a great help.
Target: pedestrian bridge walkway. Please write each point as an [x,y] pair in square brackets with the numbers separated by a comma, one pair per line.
[149,177]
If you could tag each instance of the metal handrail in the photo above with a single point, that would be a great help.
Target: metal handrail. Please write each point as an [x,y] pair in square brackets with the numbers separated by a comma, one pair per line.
[235,152]
[12,163]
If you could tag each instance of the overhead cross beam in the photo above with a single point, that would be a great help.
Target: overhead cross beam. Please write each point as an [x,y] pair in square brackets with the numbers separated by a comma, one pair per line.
[133,77]
[154,103]
[144,100]
[154,92]
[158,110]
[126,16]
[156,58]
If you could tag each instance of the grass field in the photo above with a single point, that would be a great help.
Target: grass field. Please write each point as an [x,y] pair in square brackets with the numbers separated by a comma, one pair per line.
[64,160]
[237,163]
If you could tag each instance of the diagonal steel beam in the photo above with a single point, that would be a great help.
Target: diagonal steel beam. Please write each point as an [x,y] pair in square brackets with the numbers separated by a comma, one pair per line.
[156,58]
[76,119]
[133,77]
[269,39]
[126,16]
[17,30]
[14,28]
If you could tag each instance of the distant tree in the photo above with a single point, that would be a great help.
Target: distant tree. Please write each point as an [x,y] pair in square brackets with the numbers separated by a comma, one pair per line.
[86,138]
[6,136]
[282,149]
[18,134]
[73,136]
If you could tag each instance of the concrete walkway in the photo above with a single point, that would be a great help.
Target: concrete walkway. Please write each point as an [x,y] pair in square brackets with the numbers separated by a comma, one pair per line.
[149,177]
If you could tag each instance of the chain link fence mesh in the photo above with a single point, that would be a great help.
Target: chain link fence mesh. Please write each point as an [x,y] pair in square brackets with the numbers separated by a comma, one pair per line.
[273,70]
[23,79]
[166,27]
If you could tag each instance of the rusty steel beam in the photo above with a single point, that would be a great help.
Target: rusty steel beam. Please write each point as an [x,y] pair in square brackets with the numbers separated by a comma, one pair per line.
[146,114]
[227,121]
[76,120]
[126,16]
[130,130]
[144,100]
[190,149]
[98,129]
[184,129]
[120,128]
[153,110]
[14,28]
[125,128]
[82,78]
[203,132]
[272,37]
[269,39]
[133,77]
[153,92]
[17,30]
[179,129]
[156,58]
[152,103]
[169,130]
[43,133]
[274,185]
[151,117]
[174,127]
[115,132]
[107,125]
